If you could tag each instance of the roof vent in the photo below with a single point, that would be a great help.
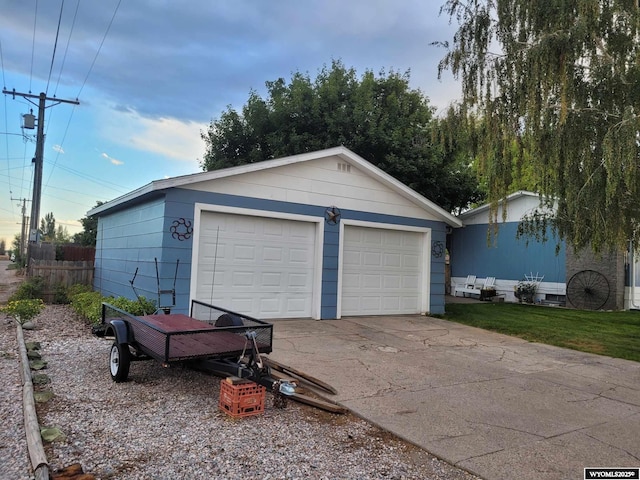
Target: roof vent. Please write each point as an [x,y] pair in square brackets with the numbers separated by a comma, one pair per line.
[344,167]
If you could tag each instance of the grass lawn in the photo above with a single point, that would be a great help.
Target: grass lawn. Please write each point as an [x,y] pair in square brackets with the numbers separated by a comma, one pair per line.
[616,334]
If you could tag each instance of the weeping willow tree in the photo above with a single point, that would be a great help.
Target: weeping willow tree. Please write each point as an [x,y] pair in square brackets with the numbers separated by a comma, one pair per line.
[557,84]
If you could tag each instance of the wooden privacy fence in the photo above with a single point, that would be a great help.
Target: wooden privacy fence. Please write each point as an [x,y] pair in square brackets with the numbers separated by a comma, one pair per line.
[68,252]
[65,273]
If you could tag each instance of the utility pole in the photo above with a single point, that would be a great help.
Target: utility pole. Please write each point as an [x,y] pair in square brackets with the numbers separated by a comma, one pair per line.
[23,230]
[38,159]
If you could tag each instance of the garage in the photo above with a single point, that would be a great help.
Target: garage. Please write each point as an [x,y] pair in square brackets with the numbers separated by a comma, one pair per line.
[383,271]
[317,235]
[264,267]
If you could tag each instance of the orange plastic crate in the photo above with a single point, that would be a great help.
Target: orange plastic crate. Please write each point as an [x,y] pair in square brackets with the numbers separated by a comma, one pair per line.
[242,400]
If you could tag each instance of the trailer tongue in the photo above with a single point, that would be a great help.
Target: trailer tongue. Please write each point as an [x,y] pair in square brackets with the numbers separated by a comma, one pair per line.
[211,338]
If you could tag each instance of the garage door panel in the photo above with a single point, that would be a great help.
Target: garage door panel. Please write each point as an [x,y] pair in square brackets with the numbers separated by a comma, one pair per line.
[265,267]
[244,252]
[242,279]
[300,256]
[351,258]
[269,306]
[271,279]
[381,271]
[392,281]
[370,281]
[393,260]
[351,279]
[272,254]
[372,259]
[297,280]
[390,304]
[410,260]
[410,282]
[296,305]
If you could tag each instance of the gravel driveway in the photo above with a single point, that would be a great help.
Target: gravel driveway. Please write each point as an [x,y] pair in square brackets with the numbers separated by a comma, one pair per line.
[164,423]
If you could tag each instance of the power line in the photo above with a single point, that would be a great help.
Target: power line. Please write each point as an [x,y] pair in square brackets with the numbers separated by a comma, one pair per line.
[101,182]
[38,159]
[99,48]
[33,44]
[64,57]
[55,45]
[64,136]
[88,73]
[4,82]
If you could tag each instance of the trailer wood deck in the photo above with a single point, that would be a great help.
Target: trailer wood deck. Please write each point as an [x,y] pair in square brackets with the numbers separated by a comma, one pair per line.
[177,337]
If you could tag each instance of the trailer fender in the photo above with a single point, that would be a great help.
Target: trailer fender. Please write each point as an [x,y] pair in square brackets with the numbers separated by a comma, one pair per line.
[120,330]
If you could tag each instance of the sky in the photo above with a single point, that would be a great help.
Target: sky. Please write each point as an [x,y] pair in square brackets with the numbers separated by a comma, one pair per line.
[151,75]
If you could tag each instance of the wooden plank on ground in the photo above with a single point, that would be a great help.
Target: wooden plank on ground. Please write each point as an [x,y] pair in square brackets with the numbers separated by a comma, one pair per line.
[293,371]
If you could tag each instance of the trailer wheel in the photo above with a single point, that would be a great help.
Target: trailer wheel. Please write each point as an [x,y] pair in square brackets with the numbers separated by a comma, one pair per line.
[119,361]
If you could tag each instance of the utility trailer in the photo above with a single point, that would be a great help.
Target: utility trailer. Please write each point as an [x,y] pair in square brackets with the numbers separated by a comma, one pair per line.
[210,338]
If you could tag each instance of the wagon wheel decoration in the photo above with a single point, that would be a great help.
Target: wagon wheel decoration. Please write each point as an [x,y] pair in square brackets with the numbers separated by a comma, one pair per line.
[437,249]
[181,229]
[588,290]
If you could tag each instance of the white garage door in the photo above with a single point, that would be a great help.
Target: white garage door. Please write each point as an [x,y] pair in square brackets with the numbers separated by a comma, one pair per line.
[382,271]
[264,267]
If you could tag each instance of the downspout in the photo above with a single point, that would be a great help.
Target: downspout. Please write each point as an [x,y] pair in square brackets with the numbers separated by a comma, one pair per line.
[632,282]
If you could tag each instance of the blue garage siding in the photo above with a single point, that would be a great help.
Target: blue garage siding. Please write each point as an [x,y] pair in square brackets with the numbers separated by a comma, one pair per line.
[127,240]
[507,258]
[331,248]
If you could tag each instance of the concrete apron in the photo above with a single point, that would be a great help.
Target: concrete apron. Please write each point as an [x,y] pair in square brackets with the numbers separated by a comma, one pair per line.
[497,406]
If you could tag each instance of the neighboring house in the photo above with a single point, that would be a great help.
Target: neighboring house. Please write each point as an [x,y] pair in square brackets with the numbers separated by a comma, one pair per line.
[318,235]
[477,250]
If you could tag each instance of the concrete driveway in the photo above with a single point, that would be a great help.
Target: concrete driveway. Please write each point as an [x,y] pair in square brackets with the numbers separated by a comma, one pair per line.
[498,406]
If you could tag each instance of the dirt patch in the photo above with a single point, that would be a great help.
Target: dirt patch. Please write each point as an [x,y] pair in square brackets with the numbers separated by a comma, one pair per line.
[587,346]
[10,279]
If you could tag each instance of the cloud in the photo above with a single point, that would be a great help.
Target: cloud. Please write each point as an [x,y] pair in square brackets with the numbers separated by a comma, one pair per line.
[58,148]
[111,159]
[196,61]
[171,138]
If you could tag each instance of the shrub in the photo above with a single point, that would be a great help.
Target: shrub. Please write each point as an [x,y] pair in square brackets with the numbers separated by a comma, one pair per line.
[89,305]
[29,289]
[142,306]
[60,294]
[23,310]
[77,288]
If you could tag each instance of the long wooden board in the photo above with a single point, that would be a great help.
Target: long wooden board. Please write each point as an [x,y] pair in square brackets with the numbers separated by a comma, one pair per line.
[299,396]
[293,371]
[315,402]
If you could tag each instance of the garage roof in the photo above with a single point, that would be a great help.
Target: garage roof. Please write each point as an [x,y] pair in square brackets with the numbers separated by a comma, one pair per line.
[157,186]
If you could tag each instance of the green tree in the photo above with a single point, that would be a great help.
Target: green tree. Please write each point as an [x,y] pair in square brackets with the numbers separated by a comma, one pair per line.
[16,248]
[557,84]
[62,235]
[3,246]
[48,227]
[90,230]
[379,117]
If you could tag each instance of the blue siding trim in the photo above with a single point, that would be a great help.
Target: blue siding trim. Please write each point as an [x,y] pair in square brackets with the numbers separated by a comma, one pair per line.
[438,265]
[329,295]
[508,258]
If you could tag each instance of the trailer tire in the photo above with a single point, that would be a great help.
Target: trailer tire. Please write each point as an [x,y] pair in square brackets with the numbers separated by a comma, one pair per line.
[119,362]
